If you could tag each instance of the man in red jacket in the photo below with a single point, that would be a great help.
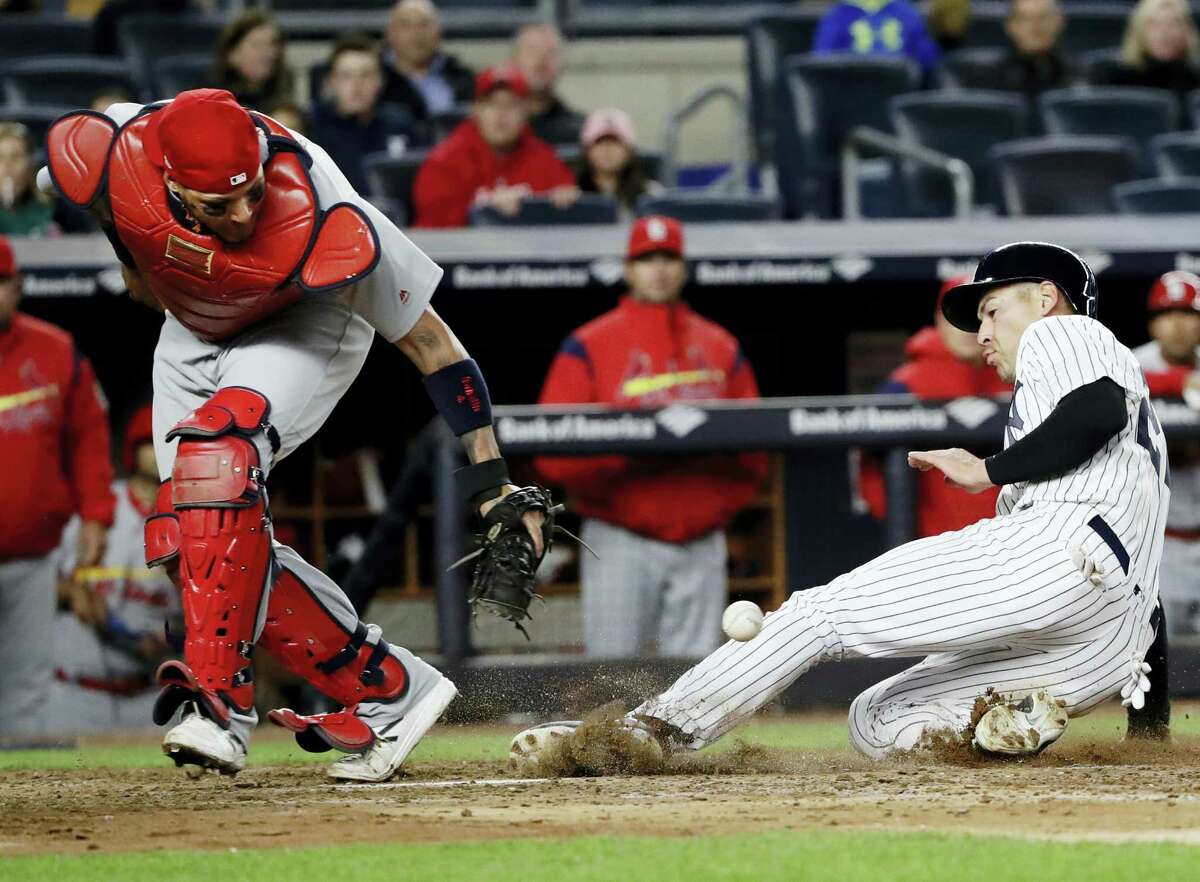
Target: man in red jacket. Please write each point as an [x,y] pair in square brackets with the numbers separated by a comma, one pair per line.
[943,363]
[54,442]
[492,159]
[656,522]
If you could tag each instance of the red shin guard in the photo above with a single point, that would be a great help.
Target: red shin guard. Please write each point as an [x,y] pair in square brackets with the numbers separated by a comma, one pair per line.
[313,645]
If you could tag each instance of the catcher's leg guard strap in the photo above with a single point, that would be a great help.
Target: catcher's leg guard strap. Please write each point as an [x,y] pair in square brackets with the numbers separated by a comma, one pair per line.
[224,551]
[311,643]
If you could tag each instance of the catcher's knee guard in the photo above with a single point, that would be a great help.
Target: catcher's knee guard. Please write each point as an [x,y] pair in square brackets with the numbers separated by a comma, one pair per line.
[222,543]
[307,640]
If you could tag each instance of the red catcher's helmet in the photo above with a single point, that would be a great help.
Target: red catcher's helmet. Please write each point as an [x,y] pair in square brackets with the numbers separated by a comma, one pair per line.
[1175,290]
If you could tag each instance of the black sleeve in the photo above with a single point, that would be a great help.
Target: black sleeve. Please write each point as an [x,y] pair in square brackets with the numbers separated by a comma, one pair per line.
[1082,423]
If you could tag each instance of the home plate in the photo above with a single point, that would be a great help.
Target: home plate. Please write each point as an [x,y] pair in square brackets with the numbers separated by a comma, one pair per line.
[467,782]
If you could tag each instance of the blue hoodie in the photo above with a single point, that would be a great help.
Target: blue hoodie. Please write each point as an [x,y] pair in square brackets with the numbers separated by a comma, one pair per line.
[877,27]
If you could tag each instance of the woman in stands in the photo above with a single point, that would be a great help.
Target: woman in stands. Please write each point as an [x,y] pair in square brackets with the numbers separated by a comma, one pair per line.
[610,160]
[251,62]
[1161,47]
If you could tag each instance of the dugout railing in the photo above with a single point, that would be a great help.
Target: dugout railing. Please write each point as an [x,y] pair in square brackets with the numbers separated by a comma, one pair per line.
[894,423]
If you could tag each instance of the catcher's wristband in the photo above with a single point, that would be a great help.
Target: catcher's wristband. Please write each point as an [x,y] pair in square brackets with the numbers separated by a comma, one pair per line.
[482,481]
[461,396]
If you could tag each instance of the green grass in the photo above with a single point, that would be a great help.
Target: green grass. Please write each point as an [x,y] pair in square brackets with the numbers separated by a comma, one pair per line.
[451,744]
[781,856]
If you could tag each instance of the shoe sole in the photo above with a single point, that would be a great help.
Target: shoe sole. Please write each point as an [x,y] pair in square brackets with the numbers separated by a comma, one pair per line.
[1013,744]
[188,758]
[422,717]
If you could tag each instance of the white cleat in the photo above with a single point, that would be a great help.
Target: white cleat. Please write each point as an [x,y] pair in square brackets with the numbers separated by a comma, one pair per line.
[198,743]
[1024,728]
[394,743]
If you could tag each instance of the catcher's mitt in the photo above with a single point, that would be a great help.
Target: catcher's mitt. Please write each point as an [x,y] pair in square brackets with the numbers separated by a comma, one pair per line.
[505,562]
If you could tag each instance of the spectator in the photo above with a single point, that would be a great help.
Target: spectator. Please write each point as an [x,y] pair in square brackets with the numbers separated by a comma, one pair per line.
[538,55]
[1170,362]
[1161,47]
[948,22]
[108,96]
[108,634]
[611,163]
[353,123]
[657,523]
[289,114]
[251,61]
[54,437]
[24,210]
[491,159]
[877,27]
[1034,62]
[106,37]
[419,75]
[942,363]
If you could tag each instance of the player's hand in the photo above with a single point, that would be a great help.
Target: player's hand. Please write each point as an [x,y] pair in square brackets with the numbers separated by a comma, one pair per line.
[533,520]
[962,469]
[564,197]
[93,537]
[86,604]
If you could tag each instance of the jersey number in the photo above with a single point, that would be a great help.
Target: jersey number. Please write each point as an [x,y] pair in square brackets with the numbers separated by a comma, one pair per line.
[1146,418]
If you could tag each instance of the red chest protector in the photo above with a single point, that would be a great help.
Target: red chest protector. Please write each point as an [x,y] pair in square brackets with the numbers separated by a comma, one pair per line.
[213,288]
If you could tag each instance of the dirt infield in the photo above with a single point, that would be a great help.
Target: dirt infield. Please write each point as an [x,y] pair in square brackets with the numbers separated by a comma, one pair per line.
[1111,791]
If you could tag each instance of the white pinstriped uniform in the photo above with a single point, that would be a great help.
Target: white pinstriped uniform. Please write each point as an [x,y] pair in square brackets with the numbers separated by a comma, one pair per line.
[1002,603]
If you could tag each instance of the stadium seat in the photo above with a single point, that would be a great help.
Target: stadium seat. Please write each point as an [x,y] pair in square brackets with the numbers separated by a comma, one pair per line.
[442,124]
[1120,111]
[1180,196]
[770,41]
[589,208]
[1193,108]
[986,27]
[964,124]
[1177,154]
[698,208]
[829,96]
[1094,26]
[390,180]
[1100,66]
[24,36]
[145,38]
[971,68]
[1062,175]
[178,73]
[67,80]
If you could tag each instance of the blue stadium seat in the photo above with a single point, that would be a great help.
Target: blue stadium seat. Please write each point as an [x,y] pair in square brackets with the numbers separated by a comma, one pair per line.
[1094,26]
[146,38]
[698,208]
[1100,66]
[973,68]
[1062,175]
[1120,111]
[25,36]
[830,95]
[390,181]
[1180,196]
[589,208]
[770,41]
[67,80]
[1177,154]
[179,73]
[964,124]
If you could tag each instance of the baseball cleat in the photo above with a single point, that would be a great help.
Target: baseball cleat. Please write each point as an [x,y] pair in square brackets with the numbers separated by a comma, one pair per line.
[527,748]
[394,742]
[198,743]
[1024,728]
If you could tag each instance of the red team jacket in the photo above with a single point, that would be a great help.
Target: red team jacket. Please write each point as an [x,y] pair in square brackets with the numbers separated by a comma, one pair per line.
[644,355]
[932,372]
[54,442]
[464,163]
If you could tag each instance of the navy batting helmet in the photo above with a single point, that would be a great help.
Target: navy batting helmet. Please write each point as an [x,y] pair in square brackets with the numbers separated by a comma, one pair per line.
[1023,262]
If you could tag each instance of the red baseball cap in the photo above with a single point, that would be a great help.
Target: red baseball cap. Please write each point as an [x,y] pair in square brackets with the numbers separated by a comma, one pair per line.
[205,140]
[8,260]
[655,233]
[504,76]
[1175,290]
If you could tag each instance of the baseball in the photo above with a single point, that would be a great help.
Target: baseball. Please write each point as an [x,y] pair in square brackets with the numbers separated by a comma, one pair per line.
[742,620]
